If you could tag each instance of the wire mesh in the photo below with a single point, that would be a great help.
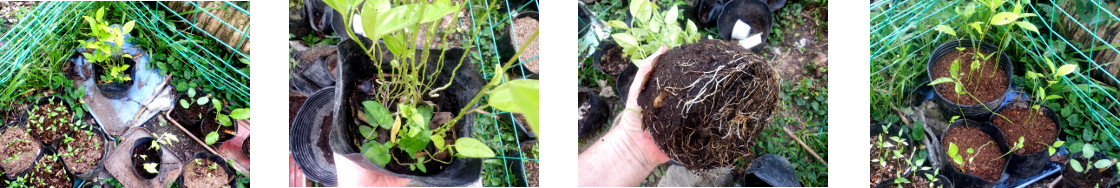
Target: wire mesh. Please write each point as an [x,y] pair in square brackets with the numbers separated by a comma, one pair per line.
[902,30]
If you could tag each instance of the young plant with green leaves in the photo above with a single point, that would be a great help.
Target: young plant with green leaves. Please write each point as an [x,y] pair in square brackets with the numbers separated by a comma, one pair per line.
[408,85]
[107,41]
[225,120]
[650,29]
[957,157]
[1089,164]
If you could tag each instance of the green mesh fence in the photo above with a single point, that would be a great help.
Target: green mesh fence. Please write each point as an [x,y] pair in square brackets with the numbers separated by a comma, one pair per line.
[487,49]
[903,36]
[57,24]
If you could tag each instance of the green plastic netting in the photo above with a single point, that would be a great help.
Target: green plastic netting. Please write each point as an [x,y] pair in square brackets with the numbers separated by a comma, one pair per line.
[1081,33]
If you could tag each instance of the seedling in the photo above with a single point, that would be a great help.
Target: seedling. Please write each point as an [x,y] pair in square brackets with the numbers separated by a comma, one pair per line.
[151,168]
[954,153]
[651,28]
[107,41]
[1087,153]
[225,120]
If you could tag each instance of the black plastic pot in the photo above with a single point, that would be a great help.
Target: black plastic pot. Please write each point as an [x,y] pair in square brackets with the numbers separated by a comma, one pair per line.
[183,115]
[1069,174]
[213,158]
[115,90]
[977,111]
[1023,166]
[523,128]
[968,180]
[770,170]
[307,141]
[508,47]
[624,80]
[596,114]
[43,101]
[245,147]
[142,146]
[225,133]
[901,132]
[938,180]
[597,57]
[92,173]
[753,13]
[585,20]
[356,65]
[42,149]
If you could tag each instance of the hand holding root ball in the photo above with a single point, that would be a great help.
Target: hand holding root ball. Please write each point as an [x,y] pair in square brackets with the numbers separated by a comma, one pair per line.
[626,154]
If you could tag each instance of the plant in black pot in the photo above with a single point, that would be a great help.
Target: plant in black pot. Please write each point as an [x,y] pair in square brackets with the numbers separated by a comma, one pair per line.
[82,152]
[405,110]
[193,105]
[147,156]
[891,152]
[226,127]
[49,172]
[50,119]
[112,67]
[20,150]
[976,153]
[969,75]
[206,170]
[1089,168]
[1035,129]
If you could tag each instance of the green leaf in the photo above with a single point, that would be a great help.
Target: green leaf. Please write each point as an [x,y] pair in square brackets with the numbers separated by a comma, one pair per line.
[223,120]
[976,26]
[438,141]
[941,80]
[151,167]
[377,153]
[203,100]
[519,96]
[1076,165]
[421,116]
[1103,163]
[625,40]
[416,140]
[953,149]
[128,26]
[1059,143]
[1027,25]
[671,16]
[190,93]
[945,29]
[970,151]
[240,114]
[472,148]
[1004,18]
[367,132]
[377,114]
[184,103]
[1066,69]
[211,138]
[617,24]
[420,165]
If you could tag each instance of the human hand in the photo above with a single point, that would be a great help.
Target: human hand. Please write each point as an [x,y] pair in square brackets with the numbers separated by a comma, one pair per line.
[626,154]
[352,175]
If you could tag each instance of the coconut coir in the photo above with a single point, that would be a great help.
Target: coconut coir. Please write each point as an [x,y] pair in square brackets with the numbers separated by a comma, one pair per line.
[1037,130]
[987,83]
[987,163]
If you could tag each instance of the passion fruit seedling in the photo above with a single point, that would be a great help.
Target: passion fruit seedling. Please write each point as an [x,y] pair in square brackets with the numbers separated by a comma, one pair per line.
[1087,153]
[225,120]
[650,29]
[107,41]
[959,158]
[407,84]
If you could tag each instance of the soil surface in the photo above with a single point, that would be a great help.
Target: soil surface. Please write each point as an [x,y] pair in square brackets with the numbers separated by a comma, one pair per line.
[49,173]
[224,132]
[189,117]
[707,102]
[531,167]
[525,27]
[1091,179]
[50,121]
[987,83]
[987,163]
[1038,131]
[21,149]
[88,148]
[613,62]
[198,173]
[894,163]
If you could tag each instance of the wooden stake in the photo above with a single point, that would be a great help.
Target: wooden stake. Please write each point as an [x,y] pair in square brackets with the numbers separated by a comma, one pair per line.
[806,147]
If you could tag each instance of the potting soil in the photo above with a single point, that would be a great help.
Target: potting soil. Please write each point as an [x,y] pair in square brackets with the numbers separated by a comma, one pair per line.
[987,83]
[524,28]
[26,152]
[1038,131]
[987,163]
[706,103]
[119,164]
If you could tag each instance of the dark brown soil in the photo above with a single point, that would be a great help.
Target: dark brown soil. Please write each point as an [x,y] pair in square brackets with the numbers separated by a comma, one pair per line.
[294,103]
[894,164]
[224,132]
[525,27]
[83,153]
[1038,131]
[245,147]
[919,182]
[198,173]
[987,164]
[987,83]
[613,61]
[1091,177]
[19,150]
[190,117]
[50,121]
[153,156]
[325,136]
[706,103]
[48,172]
[531,167]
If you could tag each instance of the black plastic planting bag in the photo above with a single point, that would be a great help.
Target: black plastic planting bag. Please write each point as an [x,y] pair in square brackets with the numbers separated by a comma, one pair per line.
[308,136]
[771,170]
[356,65]
[593,112]
[969,180]
[1024,166]
[115,90]
[976,111]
